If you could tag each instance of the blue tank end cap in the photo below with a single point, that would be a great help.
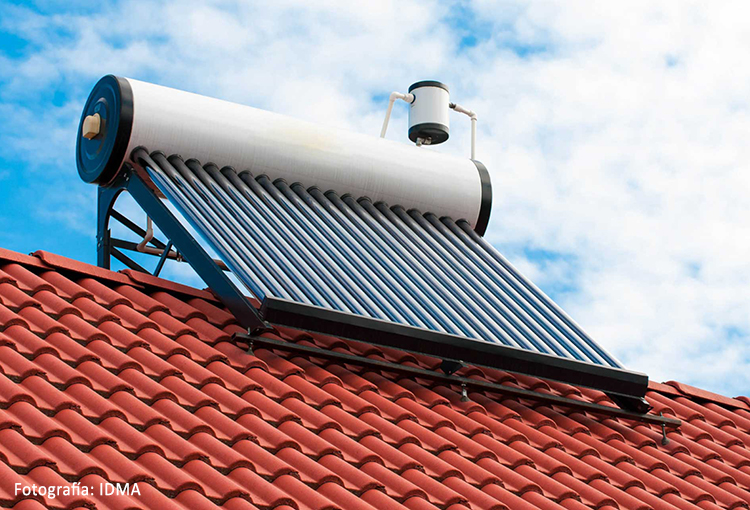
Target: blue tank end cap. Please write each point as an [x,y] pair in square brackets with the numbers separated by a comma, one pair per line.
[99,159]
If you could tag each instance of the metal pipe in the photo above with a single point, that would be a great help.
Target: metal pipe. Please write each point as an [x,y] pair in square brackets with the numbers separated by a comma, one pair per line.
[479,385]
[473,117]
[409,98]
[260,226]
[270,266]
[392,286]
[147,237]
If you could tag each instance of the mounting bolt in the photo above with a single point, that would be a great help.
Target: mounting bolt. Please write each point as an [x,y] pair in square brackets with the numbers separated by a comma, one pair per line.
[664,438]
[92,125]
[464,393]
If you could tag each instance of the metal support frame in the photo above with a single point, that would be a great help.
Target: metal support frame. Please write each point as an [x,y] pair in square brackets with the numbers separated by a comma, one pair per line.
[624,387]
[210,270]
[257,342]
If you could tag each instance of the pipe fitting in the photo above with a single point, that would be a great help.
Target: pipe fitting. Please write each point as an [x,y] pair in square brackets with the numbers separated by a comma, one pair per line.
[92,126]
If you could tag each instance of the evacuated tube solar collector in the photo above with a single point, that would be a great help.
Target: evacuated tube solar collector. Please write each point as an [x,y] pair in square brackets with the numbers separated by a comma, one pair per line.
[334,232]
[122,115]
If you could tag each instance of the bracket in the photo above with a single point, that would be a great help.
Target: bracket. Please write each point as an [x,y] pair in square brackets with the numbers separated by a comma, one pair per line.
[211,271]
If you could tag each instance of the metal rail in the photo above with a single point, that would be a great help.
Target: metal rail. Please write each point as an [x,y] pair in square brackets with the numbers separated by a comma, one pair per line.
[407,371]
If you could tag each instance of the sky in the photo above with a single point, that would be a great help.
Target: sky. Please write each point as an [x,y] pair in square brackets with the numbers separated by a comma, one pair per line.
[615,135]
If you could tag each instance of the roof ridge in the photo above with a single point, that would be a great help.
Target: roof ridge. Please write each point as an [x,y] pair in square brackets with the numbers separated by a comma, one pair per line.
[56,261]
[20,258]
[698,393]
[42,259]
[125,277]
[150,280]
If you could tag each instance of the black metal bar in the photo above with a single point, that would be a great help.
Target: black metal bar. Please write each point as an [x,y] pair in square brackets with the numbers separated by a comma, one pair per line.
[105,249]
[636,404]
[173,255]
[452,347]
[106,198]
[199,259]
[132,264]
[412,372]
[127,222]
[164,254]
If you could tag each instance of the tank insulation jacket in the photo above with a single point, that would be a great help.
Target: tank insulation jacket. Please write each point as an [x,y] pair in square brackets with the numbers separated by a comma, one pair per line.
[122,114]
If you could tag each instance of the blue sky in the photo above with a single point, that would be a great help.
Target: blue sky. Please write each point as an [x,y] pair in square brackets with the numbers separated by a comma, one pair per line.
[615,135]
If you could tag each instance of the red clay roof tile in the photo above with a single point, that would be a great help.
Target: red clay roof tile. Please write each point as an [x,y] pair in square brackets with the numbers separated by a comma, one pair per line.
[703,395]
[137,412]
[465,469]
[102,294]
[511,479]
[6,278]
[15,299]
[353,479]
[223,427]
[474,496]
[64,287]
[231,379]
[387,409]
[264,495]
[193,373]
[503,453]
[310,393]
[125,377]
[219,317]
[267,435]
[41,323]
[264,463]
[434,465]
[389,456]
[25,279]
[9,318]
[54,305]
[218,454]
[353,452]
[83,332]
[136,278]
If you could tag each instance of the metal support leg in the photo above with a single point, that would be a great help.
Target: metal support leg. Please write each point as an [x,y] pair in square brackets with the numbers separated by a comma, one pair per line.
[105,201]
[199,259]
[162,259]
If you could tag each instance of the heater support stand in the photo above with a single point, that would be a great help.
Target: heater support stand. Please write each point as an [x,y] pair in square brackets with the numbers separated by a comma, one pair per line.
[211,271]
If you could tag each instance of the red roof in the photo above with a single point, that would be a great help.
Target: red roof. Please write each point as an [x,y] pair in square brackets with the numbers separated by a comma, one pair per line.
[123,377]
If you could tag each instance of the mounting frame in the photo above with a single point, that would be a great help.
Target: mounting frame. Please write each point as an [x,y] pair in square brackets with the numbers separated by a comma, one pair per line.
[624,387]
[181,244]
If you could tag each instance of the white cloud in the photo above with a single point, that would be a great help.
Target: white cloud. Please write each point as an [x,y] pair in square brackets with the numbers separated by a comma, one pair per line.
[615,133]
[623,146]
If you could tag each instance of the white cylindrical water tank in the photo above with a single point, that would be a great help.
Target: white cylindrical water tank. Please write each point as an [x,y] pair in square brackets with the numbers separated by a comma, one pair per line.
[129,114]
[429,112]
